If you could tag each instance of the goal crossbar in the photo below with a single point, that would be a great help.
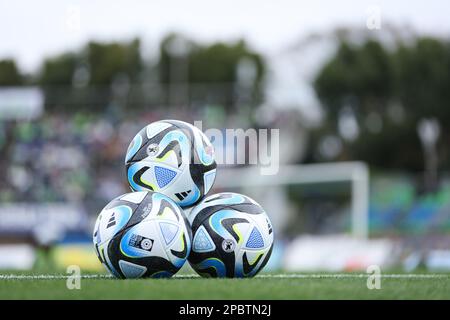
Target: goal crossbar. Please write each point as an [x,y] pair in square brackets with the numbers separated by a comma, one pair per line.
[357,173]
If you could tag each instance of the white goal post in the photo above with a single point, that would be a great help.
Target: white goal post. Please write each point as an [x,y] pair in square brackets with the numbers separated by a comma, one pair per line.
[357,173]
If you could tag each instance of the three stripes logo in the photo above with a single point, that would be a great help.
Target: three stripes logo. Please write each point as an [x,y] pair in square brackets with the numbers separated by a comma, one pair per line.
[182,195]
[112,221]
[269,226]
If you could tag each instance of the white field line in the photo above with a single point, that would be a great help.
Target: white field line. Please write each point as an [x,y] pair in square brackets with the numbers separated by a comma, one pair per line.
[50,276]
[274,276]
[354,275]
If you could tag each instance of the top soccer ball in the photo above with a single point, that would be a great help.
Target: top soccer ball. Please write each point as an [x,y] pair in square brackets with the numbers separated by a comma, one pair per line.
[174,158]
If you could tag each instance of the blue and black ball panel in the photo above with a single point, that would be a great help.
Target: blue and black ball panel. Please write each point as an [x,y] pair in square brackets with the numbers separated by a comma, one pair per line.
[225,265]
[126,262]
[213,268]
[137,209]
[136,144]
[164,175]
[119,217]
[214,220]
[251,268]
[202,165]
[137,150]
[242,203]
[176,136]
[190,197]
[223,201]
[149,266]
[168,138]
[216,225]
[125,215]
[120,213]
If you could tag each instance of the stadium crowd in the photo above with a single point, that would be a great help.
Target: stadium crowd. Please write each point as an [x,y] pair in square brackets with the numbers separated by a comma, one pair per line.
[65,158]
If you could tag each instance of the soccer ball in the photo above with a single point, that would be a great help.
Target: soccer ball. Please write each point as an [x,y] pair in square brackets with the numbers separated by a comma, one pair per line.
[142,234]
[174,158]
[232,236]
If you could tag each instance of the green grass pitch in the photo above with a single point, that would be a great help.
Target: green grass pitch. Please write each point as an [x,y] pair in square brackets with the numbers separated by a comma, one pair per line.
[280,286]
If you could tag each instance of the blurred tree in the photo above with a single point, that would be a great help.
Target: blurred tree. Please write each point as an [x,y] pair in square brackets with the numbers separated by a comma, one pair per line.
[357,76]
[55,78]
[107,75]
[9,73]
[173,47]
[114,70]
[58,70]
[219,63]
[388,93]
[423,78]
[105,60]
[215,65]
[9,76]
[423,82]
[109,60]
[90,78]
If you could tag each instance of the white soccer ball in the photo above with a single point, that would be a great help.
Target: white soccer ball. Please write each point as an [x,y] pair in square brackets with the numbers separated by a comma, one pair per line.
[142,234]
[232,236]
[174,158]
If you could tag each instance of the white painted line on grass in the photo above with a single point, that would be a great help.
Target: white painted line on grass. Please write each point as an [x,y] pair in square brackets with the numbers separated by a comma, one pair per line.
[62,276]
[353,275]
[49,276]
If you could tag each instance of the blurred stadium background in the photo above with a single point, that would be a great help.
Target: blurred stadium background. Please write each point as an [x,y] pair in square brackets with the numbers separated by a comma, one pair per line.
[362,114]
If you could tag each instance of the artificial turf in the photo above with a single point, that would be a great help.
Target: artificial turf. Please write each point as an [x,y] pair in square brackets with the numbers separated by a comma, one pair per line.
[268,287]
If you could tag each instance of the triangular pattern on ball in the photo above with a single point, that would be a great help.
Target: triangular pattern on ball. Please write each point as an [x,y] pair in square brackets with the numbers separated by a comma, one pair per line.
[131,270]
[169,231]
[208,179]
[164,176]
[255,240]
[202,241]
[156,127]
[134,197]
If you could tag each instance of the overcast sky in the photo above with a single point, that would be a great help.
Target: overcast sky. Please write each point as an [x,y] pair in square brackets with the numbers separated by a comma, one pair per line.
[30,30]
